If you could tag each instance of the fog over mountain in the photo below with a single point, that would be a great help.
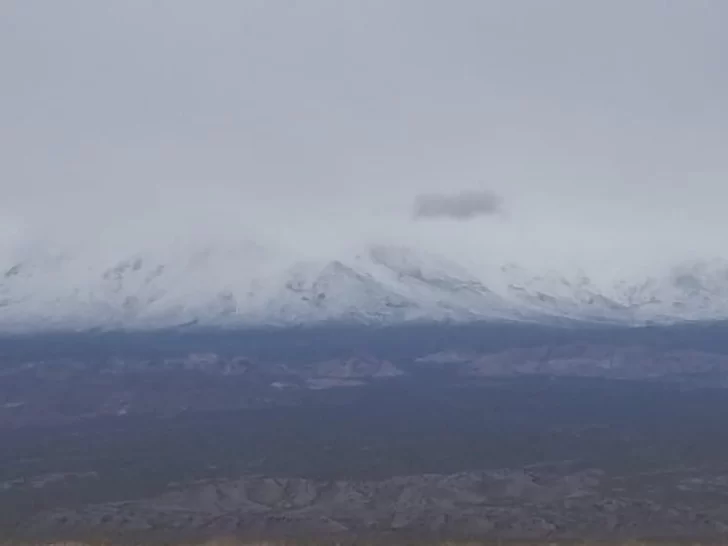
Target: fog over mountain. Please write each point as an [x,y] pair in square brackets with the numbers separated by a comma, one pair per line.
[310,130]
[363,271]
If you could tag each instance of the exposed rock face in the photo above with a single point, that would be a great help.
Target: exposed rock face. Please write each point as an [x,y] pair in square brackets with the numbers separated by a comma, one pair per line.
[319,383]
[356,368]
[531,503]
[211,363]
[41,481]
[447,357]
[33,392]
[37,391]
[586,360]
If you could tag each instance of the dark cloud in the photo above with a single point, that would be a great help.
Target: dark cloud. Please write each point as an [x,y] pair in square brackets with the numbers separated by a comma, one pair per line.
[465,205]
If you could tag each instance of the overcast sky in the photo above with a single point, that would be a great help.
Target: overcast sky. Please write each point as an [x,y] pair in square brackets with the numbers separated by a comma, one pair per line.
[601,128]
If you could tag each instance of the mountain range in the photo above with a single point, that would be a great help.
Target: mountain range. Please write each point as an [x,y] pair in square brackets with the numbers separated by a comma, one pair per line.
[248,285]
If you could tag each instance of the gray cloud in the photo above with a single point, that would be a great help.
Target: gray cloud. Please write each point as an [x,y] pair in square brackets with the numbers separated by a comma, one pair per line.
[465,205]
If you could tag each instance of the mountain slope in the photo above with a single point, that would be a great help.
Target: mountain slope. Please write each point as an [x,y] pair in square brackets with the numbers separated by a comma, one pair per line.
[249,285]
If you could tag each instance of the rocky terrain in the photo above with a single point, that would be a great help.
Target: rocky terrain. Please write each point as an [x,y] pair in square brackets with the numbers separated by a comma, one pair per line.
[61,390]
[64,390]
[537,502]
[521,456]
[588,360]
[486,433]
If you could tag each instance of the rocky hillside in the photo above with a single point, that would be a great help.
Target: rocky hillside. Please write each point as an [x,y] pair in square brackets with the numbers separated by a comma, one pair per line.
[533,503]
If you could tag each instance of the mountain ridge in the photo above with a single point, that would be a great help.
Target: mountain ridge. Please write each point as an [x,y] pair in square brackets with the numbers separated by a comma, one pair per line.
[248,285]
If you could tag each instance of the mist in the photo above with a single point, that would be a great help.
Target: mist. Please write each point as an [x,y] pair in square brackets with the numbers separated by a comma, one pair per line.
[315,126]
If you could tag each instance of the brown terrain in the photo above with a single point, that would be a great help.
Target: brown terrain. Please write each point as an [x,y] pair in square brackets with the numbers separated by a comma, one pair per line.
[450,444]
[36,391]
[536,503]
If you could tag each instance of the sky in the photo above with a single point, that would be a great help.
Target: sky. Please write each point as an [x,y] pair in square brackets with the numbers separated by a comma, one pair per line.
[598,129]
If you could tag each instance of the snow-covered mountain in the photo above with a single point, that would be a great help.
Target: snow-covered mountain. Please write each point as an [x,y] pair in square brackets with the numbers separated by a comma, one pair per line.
[248,285]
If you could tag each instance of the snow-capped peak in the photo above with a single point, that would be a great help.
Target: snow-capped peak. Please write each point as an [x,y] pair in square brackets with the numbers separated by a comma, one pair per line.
[247,284]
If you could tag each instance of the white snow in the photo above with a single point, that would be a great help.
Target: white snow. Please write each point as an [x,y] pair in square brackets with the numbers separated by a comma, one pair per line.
[245,285]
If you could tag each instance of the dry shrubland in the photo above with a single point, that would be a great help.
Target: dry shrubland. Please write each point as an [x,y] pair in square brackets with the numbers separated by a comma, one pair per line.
[230,541]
